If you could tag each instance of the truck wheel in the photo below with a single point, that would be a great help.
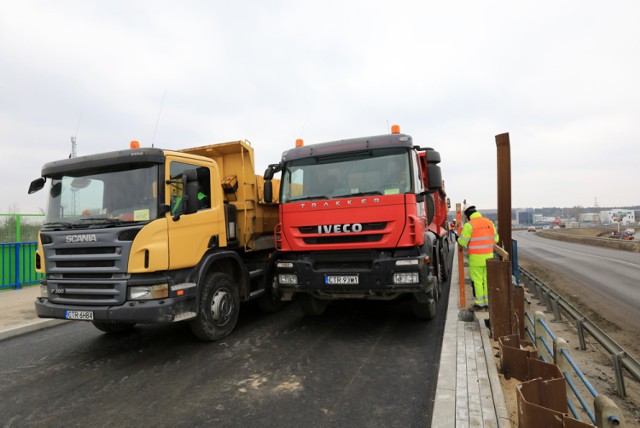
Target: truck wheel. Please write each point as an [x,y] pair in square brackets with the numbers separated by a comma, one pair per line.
[437,289]
[218,308]
[312,306]
[113,327]
[443,259]
[424,311]
[437,276]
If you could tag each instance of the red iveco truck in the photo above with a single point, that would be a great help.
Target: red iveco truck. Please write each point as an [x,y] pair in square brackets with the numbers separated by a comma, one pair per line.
[363,218]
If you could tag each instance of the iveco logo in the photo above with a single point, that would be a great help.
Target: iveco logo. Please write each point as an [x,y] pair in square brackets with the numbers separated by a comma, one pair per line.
[340,228]
[82,238]
[340,203]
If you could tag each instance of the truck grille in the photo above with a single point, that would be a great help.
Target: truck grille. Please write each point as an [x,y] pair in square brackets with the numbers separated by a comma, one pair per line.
[360,237]
[344,239]
[366,227]
[87,273]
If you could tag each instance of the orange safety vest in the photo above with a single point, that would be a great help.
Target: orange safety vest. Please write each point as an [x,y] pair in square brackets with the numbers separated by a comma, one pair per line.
[482,237]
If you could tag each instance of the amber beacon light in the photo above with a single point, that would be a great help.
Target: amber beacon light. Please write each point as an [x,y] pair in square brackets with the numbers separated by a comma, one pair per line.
[395,129]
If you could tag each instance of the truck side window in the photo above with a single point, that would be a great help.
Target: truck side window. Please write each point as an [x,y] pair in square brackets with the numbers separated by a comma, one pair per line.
[204,188]
[176,192]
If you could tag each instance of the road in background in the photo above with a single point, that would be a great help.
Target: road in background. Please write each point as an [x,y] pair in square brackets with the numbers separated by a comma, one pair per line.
[604,280]
[360,364]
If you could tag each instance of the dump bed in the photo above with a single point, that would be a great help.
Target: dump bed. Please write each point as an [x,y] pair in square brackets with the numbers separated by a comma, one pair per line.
[244,189]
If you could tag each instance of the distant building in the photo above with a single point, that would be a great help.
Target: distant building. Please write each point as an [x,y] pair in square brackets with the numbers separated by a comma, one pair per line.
[524,218]
[625,217]
[490,214]
[589,218]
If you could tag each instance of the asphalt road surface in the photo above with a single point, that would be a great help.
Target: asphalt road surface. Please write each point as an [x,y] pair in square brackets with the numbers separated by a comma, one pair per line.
[360,364]
[606,280]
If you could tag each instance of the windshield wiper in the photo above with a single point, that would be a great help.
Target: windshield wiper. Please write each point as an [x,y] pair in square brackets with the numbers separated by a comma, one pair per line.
[58,224]
[307,198]
[101,220]
[371,192]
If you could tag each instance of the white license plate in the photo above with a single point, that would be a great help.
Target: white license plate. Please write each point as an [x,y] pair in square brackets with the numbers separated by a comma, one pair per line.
[79,315]
[340,279]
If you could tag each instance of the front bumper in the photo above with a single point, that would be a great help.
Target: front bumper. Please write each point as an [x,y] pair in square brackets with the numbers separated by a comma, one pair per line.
[150,311]
[374,272]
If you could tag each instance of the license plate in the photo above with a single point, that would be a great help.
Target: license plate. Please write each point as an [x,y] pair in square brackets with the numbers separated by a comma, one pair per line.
[340,279]
[79,315]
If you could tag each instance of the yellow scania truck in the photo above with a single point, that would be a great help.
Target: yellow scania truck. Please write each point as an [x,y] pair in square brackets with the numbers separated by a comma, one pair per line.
[147,235]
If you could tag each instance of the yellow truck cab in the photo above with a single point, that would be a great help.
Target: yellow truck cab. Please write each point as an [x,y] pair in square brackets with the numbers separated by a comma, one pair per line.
[147,235]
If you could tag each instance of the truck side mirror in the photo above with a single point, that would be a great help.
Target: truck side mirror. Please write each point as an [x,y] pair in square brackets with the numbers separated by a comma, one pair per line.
[192,197]
[189,200]
[268,173]
[268,185]
[268,191]
[190,186]
[36,185]
[435,178]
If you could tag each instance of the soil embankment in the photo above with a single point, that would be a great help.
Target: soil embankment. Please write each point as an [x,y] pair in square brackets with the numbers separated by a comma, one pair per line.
[597,236]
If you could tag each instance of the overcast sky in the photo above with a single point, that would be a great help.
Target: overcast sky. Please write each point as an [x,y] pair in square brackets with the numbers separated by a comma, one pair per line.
[560,77]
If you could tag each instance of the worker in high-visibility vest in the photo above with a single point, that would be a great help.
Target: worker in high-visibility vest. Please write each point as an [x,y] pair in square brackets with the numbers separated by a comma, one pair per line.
[478,236]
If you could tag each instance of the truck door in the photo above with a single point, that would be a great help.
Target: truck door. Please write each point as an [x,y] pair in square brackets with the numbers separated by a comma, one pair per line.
[191,234]
[420,164]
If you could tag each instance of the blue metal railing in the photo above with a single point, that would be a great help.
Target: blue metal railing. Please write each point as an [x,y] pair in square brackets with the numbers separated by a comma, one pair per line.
[17,264]
[586,383]
[621,358]
[551,357]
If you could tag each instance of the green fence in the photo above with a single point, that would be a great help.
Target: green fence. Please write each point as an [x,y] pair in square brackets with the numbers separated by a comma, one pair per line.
[17,261]
[18,244]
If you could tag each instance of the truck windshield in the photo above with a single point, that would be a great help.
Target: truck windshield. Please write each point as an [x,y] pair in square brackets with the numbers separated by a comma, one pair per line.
[370,172]
[117,196]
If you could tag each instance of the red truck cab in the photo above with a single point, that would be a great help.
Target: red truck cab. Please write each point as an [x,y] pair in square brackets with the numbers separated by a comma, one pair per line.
[362,218]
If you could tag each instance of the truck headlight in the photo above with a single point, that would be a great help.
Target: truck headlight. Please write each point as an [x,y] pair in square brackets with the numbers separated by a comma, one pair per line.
[287,279]
[284,265]
[406,278]
[407,262]
[148,292]
[44,291]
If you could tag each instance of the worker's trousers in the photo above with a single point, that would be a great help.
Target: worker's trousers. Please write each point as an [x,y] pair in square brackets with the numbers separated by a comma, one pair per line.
[478,275]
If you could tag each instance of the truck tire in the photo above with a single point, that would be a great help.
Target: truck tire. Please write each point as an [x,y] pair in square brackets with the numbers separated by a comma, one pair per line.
[431,208]
[113,327]
[437,277]
[312,306]
[218,308]
[443,260]
[424,311]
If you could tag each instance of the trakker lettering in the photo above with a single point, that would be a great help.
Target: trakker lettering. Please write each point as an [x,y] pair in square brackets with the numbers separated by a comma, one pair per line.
[338,203]
[81,238]
[340,228]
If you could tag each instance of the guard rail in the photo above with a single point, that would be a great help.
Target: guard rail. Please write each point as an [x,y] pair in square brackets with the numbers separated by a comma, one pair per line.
[556,304]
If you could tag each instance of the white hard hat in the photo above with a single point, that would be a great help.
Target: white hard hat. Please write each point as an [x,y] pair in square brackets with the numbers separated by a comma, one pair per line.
[468,207]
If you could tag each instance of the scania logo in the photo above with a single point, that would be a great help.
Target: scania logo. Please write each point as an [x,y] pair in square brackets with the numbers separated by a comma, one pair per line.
[340,203]
[88,237]
[340,228]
